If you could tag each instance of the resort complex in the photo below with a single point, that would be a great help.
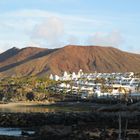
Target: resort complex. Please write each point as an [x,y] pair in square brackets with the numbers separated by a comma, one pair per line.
[101,85]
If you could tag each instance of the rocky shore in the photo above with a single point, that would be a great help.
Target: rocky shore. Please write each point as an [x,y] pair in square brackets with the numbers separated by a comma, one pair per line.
[73,126]
[66,118]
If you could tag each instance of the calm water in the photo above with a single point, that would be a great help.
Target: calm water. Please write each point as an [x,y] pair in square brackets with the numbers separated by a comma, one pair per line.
[13,131]
[66,107]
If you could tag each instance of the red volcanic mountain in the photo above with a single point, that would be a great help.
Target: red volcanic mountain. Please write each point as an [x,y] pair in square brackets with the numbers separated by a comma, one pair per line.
[40,61]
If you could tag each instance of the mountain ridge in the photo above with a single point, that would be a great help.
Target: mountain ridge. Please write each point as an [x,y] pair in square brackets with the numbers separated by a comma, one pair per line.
[41,61]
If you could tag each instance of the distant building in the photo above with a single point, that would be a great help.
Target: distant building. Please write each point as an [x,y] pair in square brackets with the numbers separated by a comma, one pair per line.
[56,78]
[51,77]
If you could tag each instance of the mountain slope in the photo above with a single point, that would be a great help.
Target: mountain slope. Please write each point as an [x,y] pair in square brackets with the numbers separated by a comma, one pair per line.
[15,55]
[70,58]
[8,54]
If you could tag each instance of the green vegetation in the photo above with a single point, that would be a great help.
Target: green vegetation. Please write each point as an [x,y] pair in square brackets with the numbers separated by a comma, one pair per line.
[137,74]
[25,88]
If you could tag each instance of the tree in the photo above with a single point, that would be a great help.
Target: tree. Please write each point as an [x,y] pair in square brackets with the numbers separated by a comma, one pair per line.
[30,96]
[1,96]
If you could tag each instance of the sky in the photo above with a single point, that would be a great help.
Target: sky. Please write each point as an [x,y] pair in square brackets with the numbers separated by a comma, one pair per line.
[56,23]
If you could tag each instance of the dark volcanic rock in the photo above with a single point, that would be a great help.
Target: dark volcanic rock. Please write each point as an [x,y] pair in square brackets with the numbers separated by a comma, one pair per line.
[54,132]
[40,119]
[72,126]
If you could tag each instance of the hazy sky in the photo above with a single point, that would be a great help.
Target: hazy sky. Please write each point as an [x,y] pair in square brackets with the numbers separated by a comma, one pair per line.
[55,23]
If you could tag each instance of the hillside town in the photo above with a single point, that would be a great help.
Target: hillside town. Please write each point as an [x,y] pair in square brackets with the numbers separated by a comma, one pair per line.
[100,85]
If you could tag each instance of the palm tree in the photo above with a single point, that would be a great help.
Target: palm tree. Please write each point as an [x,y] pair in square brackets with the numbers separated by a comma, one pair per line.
[79,90]
[71,86]
[104,88]
[125,95]
[110,89]
[138,87]
[120,130]
[119,119]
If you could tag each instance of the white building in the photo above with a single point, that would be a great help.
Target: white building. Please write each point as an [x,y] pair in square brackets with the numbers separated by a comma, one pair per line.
[51,77]
[56,78]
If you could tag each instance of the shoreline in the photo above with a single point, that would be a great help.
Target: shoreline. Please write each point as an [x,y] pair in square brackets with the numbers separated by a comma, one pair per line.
[67,126]
[30,103]
[96,124]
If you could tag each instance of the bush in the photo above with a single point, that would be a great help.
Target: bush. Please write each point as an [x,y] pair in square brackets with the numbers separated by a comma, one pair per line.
[30,96]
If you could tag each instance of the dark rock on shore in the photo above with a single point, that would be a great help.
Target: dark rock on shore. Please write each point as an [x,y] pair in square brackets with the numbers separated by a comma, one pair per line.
[55,132]
[64,118]
[72,126]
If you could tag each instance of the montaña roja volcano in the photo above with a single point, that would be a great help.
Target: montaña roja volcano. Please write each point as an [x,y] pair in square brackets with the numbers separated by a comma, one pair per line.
[40,61]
